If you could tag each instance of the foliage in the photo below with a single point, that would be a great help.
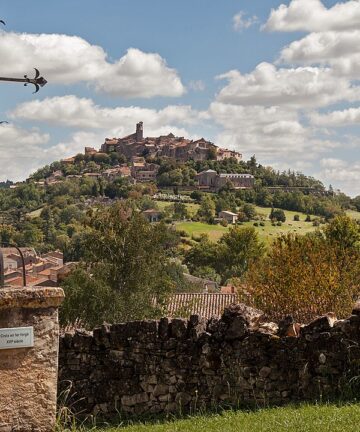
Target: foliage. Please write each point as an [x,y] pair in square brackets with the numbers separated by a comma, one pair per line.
[230,256]
[306,276]
[277,215]
[207,208]
[124,268]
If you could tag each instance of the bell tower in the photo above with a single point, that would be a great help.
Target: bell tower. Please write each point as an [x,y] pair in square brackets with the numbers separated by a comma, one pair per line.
[139,132]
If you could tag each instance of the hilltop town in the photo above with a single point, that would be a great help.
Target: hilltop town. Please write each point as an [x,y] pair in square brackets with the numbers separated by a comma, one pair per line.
[140,153]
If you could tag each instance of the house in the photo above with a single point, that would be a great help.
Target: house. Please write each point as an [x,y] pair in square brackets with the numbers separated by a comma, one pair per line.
[179,148]
[69,160]
[207,179]
[229,216]
[206,305]
[152,215]
[223,154]
[90,151]
[205,285]
[211,180]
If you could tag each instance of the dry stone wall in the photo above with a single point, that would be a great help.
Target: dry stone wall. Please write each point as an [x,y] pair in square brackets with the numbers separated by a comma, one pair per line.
[147,367]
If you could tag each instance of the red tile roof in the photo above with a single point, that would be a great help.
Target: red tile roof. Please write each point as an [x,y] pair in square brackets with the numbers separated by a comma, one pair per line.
[204,304]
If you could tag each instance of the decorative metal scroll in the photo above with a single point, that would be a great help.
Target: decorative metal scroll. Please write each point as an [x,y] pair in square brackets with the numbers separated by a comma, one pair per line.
[38,81]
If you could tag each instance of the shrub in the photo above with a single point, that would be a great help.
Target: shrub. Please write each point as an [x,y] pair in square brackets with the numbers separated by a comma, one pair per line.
[256,224]
[224,222]
[262,224]
[308,218]
[307,276]
[277,215]
[296,218]
[279,223]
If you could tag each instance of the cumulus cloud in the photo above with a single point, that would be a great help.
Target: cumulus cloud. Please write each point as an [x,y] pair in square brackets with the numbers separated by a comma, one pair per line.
[344,175]
[340,50]
[275,134]
[21,151]
[72,111]
[240,22]
[70,59]
[347,117]
[294,87]
[313,16]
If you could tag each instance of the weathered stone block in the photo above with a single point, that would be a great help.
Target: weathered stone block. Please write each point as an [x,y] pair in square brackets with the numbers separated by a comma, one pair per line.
[28,376]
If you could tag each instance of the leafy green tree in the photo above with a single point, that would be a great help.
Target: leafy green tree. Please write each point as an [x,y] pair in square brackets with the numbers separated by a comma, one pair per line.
[277,215]
[207,207]
[128,258]
[180,211]
[236,250]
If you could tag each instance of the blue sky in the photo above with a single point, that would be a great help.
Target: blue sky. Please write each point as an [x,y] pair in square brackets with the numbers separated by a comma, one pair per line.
[278,79]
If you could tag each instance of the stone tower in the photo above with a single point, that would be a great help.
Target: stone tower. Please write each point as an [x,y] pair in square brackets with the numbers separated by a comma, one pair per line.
[139,132]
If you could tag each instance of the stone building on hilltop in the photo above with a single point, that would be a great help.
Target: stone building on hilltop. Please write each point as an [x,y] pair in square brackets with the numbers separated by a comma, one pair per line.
[211,180]
[179,148]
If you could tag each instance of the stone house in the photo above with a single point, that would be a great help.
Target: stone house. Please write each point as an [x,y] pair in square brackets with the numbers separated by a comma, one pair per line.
[229,216]
[210,179]
[152,215]
[223,154]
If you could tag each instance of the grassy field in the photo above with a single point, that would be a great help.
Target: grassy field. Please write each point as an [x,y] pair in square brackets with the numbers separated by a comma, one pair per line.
[266,233]
[306,418]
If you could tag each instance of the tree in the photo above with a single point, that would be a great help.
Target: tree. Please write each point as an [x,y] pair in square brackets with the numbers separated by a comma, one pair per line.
[307,276]
[236,250]
[207,208]
[277,215]
[249,210]
[126,258]
[180,211]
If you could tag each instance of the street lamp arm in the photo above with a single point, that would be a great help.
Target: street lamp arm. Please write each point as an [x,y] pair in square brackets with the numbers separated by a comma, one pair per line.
[38,81]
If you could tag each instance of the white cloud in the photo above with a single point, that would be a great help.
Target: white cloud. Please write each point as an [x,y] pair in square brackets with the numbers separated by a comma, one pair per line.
[197,85]
[240,22]
[313,16]
[341,174]
[275,134]
[77,112]
[296,87]
[21,151]
[347,117]
[70,59]
[340,50]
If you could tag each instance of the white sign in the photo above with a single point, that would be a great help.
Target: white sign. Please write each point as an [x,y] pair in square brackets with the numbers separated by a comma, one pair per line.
[19,337]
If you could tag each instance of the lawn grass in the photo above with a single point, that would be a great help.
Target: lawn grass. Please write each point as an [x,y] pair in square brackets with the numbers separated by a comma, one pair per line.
[353,214]
[266,233]
[35,213]
[192,208]
[304,418]
[197,228]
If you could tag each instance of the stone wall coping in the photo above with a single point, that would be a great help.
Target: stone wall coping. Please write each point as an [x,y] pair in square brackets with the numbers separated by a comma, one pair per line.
[30,297]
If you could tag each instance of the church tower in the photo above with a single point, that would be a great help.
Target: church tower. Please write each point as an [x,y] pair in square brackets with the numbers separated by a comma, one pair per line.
[139,132]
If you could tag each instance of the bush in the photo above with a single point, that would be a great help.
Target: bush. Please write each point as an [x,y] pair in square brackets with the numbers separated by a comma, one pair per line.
[224,222]
[262,224]
[256,224]
[279,223]
[277,215]
[308,218]
[296,218]
[307,276]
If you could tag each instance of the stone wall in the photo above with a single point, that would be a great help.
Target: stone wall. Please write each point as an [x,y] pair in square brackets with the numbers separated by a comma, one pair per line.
[28,376]
[168,365]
